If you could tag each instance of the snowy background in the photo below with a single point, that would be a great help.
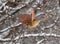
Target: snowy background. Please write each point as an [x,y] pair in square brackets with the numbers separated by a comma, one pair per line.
[12,31]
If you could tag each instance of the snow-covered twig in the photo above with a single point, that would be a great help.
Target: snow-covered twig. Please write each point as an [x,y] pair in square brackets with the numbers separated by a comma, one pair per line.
[49,26]
[40,41]
[13,25]
[3,4]
[7,39]
[38,34]
[34,35]
[41,34]
[15,9]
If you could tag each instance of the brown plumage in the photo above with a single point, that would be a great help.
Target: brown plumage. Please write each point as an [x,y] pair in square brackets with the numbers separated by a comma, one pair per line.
[25,19]
[30,20]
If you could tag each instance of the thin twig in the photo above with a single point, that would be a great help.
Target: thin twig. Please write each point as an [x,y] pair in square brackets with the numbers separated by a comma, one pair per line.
[40,41]
[10,27]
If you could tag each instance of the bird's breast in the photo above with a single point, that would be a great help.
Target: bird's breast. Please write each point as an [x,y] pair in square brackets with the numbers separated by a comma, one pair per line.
[33,24]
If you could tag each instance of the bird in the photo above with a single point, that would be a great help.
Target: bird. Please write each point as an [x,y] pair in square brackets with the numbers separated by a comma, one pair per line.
[30,21]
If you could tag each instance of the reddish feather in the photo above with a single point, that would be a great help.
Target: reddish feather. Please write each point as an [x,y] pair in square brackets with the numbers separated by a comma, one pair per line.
[25,19]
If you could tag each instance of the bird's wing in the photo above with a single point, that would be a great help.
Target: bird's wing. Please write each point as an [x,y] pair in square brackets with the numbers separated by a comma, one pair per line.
[25,19]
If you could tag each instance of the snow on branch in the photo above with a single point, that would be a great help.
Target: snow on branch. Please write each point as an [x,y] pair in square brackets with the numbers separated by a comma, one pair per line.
[40,34]
[49,26]
[34,35]
[40,41]
[13,25]
[7,39]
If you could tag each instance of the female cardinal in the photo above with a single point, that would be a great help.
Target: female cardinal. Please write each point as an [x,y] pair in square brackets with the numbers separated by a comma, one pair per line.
[30,21]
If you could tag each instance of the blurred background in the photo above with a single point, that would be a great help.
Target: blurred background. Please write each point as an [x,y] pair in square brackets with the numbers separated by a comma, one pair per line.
[12,31]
